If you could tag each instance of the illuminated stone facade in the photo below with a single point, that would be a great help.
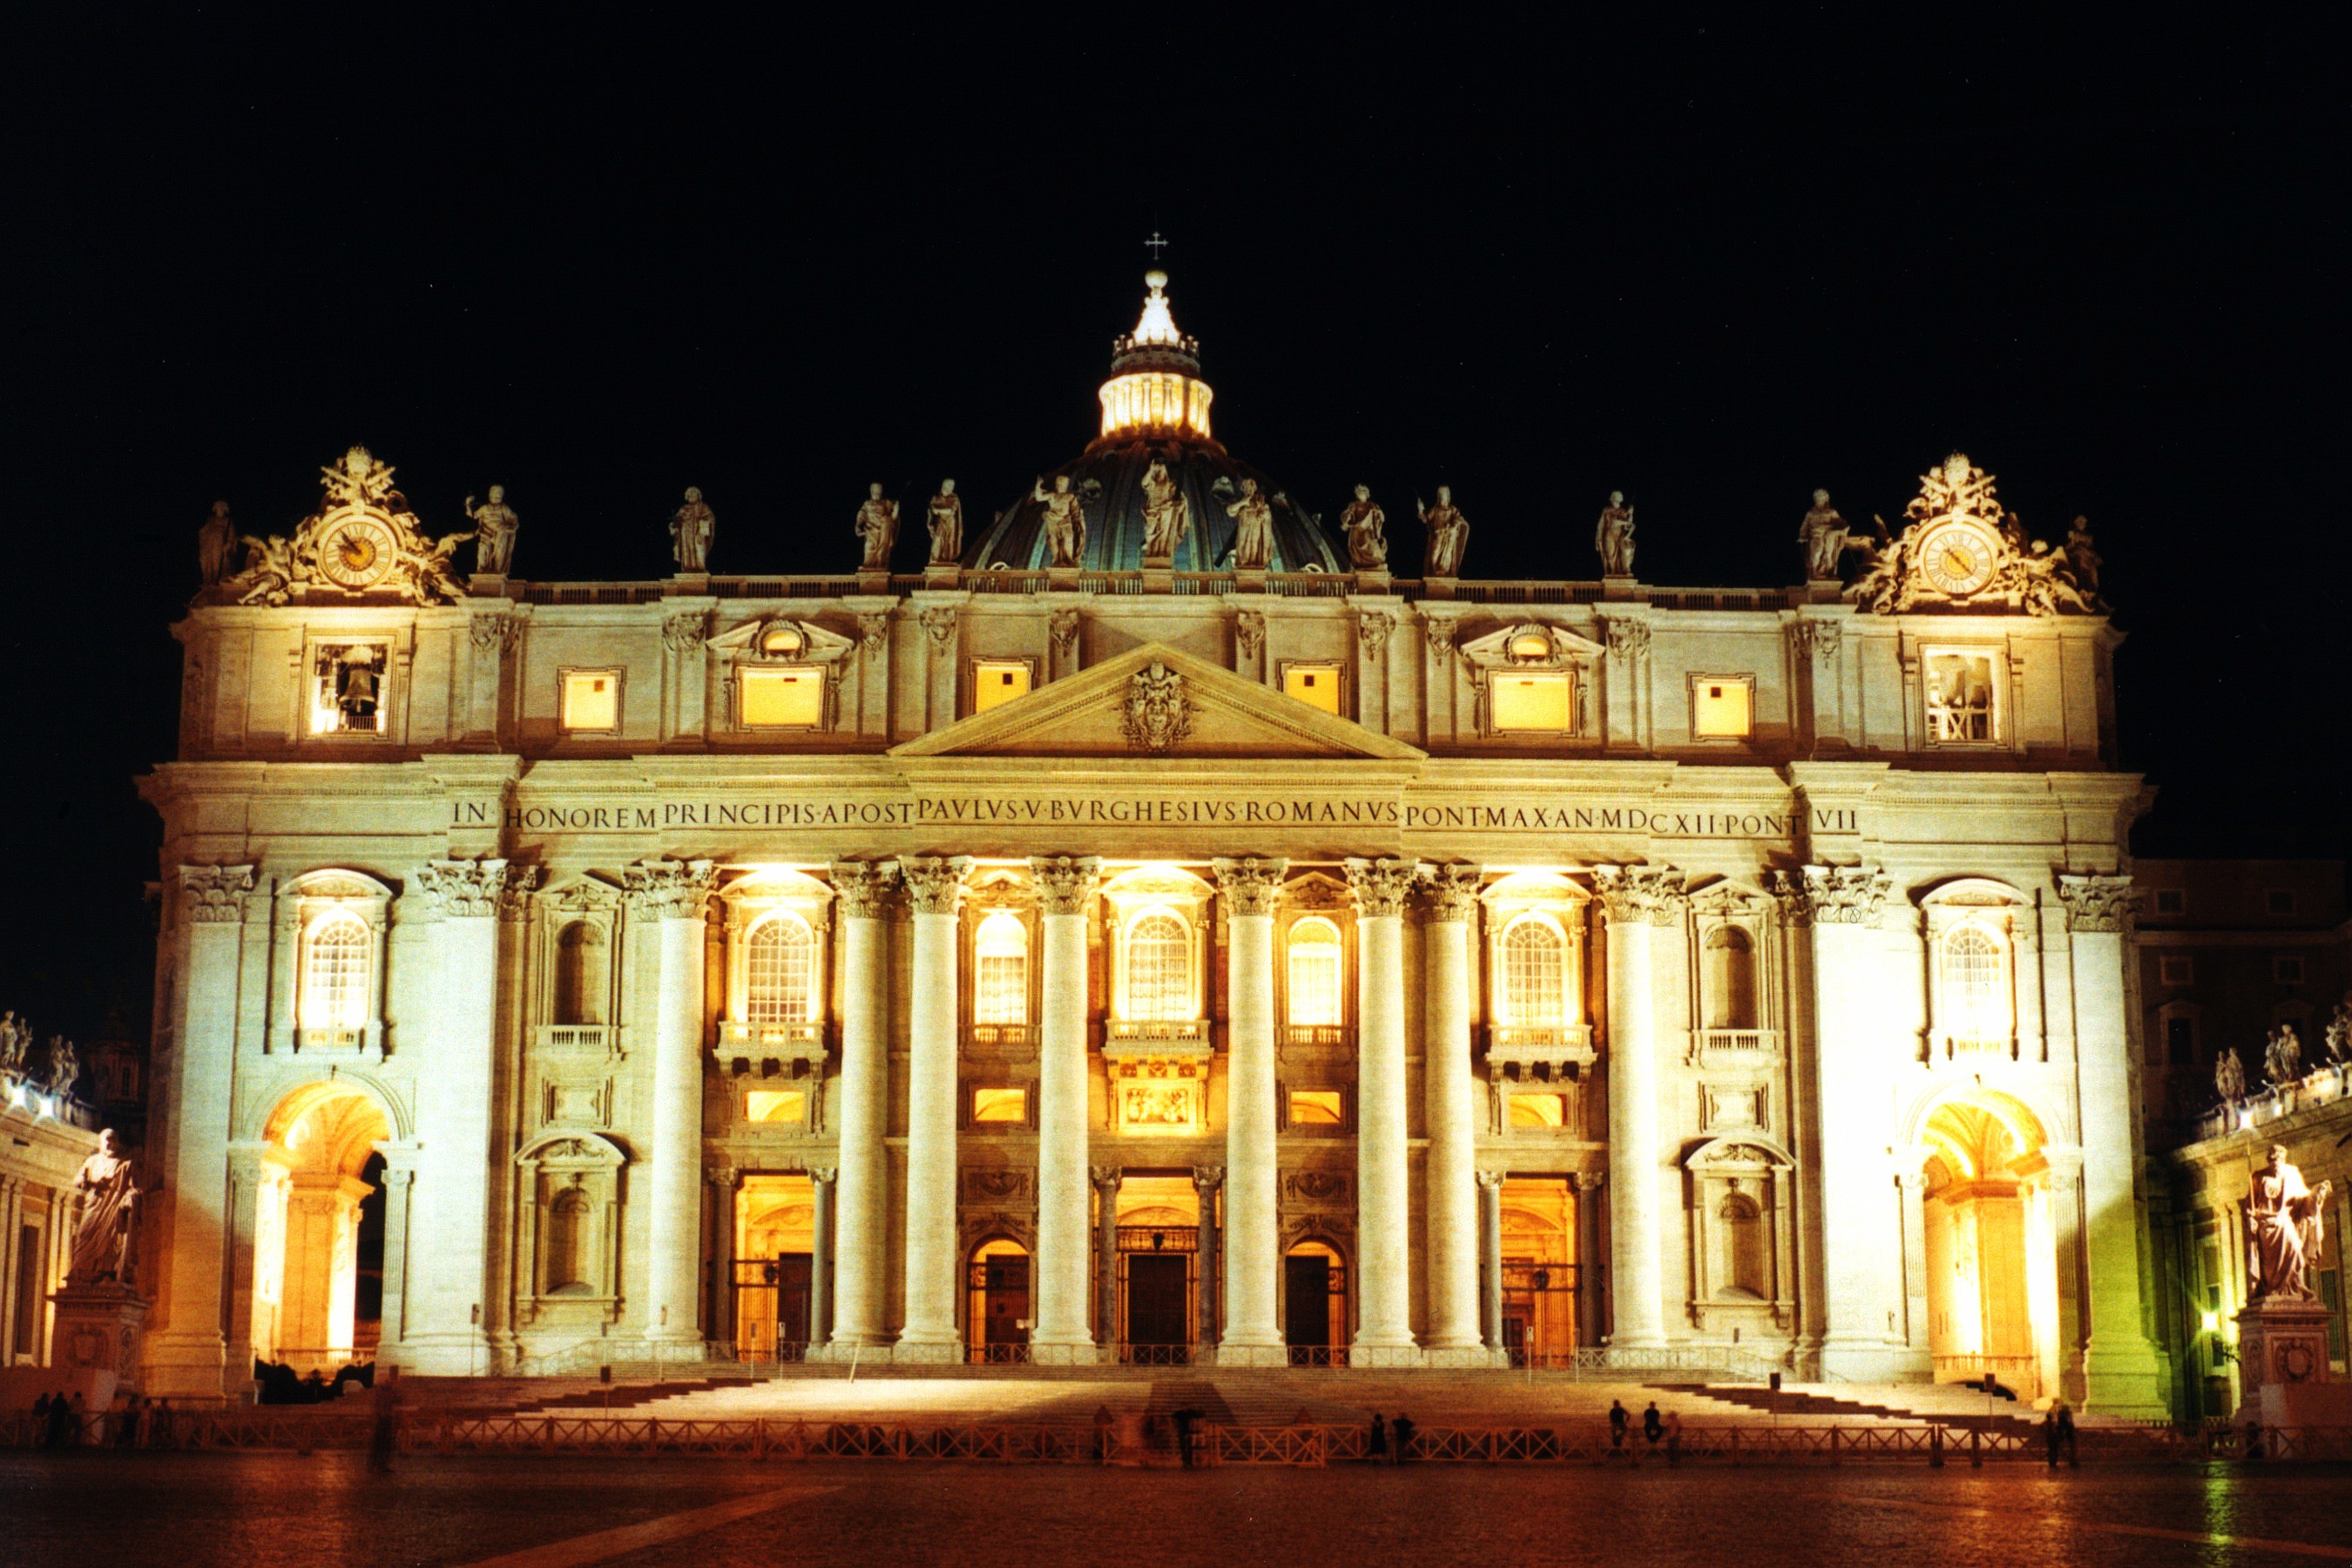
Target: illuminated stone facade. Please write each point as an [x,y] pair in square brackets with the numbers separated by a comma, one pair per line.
[1110,964]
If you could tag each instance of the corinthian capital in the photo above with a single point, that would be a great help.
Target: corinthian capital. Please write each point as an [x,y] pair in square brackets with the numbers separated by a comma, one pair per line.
[1249,884]
[669,890]
[935,883]
[1639,894]
[1381,884]
[514,899]
[2097,903]
[1847,895]
[1064,883]
[463,890]
[1452,891]
[215,895]
[862,886]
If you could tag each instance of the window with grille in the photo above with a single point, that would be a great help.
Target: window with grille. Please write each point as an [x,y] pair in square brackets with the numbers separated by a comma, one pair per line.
[1158,967]
[1001,974]
[335,956]
[777,971]
[1534,972]
[1314,973]
[1976,986]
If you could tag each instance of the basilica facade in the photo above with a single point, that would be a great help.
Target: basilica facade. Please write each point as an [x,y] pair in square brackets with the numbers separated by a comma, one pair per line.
[1157,931]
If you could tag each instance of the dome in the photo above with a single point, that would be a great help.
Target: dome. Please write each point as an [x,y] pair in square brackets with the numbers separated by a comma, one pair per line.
[1155,409]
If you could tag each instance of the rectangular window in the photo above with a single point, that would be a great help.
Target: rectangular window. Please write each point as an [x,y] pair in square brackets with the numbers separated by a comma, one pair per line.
[2180,1042]
[592,699]
[1963,692]
[2171,900]
[2176,969]
[791,697]
[347,688]
[1316,685]
[996,681]
[1316,1107]
[1721,707]
[1000,1105]
[1538,1111]
[776,1105]
[1537,701]
[2279,900]
[2287,970]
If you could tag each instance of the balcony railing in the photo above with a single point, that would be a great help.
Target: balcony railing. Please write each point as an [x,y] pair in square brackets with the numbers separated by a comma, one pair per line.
[1316,1035]
[759,1044]
[327,1039]
[1129,1037]
[1003,1035]
[579,1037]
[997,1355]
[1553,1047]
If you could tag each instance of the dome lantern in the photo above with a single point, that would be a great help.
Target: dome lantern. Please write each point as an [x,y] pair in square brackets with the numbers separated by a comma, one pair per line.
[1155,385]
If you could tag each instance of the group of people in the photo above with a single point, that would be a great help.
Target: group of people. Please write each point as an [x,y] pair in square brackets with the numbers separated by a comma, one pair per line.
[1656,1430]
[65,1421]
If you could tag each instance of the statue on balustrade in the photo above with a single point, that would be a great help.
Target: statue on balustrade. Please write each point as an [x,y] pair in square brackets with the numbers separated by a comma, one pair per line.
[1449,535]
[2339,1034]
[217,544]
[64,1065]
[1167,513]
[1365,526]
[1824,534]
[1612,536]
[15,1040]
[493,533]
[945,521]
[2282,1057]
[2230,1076]
[1066,522]
[2282,1229]
[105,1235]
[1253,529]
[691,531]
[878,525]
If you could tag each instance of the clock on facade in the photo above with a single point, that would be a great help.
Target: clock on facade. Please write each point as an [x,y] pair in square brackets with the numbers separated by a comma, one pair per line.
[356,554]
[1958,558]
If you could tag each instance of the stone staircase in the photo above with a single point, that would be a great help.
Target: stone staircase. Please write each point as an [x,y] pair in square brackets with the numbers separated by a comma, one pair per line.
[1800,1406]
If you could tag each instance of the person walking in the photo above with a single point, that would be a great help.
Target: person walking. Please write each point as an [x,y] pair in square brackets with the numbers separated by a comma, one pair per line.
[1618,1420]
[1673,1437]
[2066,1434]
[2050,1437]
[1653,1427]
[1376,1442]
[1403,1437]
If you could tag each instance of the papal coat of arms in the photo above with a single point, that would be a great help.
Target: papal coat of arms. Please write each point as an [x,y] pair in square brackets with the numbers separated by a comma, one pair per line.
[1157,714]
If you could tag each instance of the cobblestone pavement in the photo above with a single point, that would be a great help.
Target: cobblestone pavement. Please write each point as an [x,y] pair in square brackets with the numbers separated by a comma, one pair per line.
[262,1511]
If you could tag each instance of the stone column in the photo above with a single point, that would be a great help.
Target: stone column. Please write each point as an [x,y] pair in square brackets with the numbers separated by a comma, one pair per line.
[1862,1237]
[1207,1180]
[725,1179]
[1107,1184]
[935,889]
[399,1187]
[185,1360]
[1490,1259]
[2123,1375]
[861,1231]
[673,893]
[1635,898]
[1452,1091]
[821,1193]
[1060,1333]
[1252,1333]
[1384,1213]
[1592,1321]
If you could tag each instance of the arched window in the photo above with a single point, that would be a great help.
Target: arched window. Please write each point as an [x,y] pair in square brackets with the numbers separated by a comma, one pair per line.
[567,1244]
[1745,1263]
[1976,985]
[579,974]
[1001,972]
[1730,979]
[1534,973]
[1158,967]
[336,951]
[776,970]
[1314,972]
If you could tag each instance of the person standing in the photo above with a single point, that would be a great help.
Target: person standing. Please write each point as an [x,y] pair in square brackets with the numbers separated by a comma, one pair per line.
[1653,1427]
[1404,1430]
[1618,1421]
[1376,1443]
[383,1435]
[2066,1434]
[2050,1437]
[1673,1438]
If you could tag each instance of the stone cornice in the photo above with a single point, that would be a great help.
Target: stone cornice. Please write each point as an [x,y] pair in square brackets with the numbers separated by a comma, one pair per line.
[1064,883]
[1249,884]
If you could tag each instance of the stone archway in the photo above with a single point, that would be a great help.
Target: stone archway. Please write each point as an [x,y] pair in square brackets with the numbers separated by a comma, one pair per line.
[318,1230]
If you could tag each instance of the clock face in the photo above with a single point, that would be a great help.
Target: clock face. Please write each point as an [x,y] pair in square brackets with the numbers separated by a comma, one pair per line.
[355,555]
[1959,559]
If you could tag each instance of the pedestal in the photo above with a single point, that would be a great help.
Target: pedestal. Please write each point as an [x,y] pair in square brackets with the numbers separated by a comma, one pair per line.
[1158,575]
[2283,1377]
[1061,578]
[1824,591]
[1249,580]
[1622,588]
[688,586]
[876,582]
[1373,580]
[1437,587]
[936,574]
[96,1342]
[488,584]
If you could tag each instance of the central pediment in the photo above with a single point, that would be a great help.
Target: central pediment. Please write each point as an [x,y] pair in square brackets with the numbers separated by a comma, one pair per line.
[1156,701]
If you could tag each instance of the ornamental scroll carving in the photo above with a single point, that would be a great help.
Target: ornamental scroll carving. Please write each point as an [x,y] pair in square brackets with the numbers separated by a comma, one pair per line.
[1381,884]
[686,631]
[1817,638]
[873,630]
[1373,628]
[1639,894]
[939,624]
[2098,903]
[1437,631]
[1452,891]
[935,883]
[669,890]
[1788,891]
[215,895]
[1847,895]
[1063,624]
[514,898]
[1628,639]
[1249,631]
[363,539]
[1250,885]
[1157,713]
[499,632]
[1962,548]
[463,890]
[1064,883]
[863,888]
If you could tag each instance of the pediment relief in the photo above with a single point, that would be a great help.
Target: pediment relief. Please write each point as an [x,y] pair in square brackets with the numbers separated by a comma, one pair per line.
[1725,896]
[349,887]
[574,1148]
[1157,701]
[1530,645]
[1320,892]
[1742,1149]
[1975,892]
[584,895]
[782,639]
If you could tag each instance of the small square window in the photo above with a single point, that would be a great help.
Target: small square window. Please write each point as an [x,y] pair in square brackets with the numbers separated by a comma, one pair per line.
[790,697]
[2171,900]
[592,699]
[1316,685]
[1538,1111]
[1000,1105]
[776,1105]
[2176,970]
[1316,1107]
[1721,708]
[2287,968]
[996,681]
[1532,701]
[2279,900]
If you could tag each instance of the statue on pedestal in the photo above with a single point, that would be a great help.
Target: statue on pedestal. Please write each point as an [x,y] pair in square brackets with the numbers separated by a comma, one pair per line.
[1167,513]
[217,544]
[1365,526]
[2282,1229]
[1066,522]
[691,527]
[1253,529]
[1612,536]
[105,1235]
[493,533]
[64,1065]
[2339,1034]
[2230,1076]
[878,525]
[1824,535]
[945,522]
[2282,1056]
[1449,535]
[16,1039]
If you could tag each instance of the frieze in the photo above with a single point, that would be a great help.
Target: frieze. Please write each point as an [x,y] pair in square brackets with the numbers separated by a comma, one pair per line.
[1329,1187]
[984,1184]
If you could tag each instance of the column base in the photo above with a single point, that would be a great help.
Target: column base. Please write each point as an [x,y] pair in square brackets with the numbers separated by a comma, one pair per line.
[185,1366]
[927,1353]
[1391,1354]
[844,1352]
[1464,1358]
[1230,1354]
[1064,1352]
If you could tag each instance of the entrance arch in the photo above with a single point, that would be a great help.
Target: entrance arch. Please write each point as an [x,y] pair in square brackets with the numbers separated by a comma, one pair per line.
[1992,1243]
[774,1266]
[1315,1304]
[317,1231]
[1539,1274]
[997,1324]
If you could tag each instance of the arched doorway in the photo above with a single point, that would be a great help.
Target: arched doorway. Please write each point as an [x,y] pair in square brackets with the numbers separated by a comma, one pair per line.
[1315,1304]
[1539,1275]
[1991,1241]
[1159,1253]
[775,1231]
[318,1232]
[997,1322]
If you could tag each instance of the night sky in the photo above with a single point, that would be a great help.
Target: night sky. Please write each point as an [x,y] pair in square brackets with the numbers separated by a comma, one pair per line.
[1715,263]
